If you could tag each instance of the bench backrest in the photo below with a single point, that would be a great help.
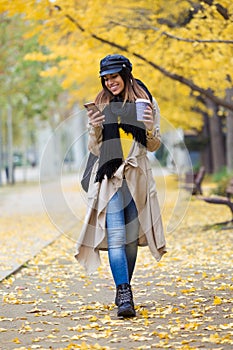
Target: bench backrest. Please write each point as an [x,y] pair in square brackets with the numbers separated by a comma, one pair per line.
[200,175]
[229,190]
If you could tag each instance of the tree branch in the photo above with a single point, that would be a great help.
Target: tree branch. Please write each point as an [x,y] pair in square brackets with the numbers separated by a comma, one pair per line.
[211,41]
[71,19]
[206,92]
[221,9]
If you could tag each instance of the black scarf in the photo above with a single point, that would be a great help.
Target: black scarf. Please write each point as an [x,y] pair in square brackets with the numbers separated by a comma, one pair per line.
[111,154]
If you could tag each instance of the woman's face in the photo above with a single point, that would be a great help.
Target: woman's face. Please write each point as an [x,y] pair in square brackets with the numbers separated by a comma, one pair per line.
[114,83]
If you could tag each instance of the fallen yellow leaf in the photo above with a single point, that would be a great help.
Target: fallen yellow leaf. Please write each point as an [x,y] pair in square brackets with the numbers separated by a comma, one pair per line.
[217,301]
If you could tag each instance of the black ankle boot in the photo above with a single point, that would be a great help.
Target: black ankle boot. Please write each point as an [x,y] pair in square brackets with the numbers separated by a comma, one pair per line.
[124,298]
[117,297]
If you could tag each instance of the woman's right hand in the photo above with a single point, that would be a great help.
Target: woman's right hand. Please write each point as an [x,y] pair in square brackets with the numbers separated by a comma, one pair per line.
[95,118]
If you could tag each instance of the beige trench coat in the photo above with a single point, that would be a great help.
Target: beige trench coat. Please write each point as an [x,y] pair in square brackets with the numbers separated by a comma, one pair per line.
[136,169]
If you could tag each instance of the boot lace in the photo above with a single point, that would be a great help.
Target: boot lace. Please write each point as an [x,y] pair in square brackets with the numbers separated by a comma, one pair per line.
[125,296]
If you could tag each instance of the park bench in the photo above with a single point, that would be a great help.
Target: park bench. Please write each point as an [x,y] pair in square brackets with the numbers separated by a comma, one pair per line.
[193,182]
[223,200]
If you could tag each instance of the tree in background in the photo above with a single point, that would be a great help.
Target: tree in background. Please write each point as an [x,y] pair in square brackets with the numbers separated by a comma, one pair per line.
[26,97]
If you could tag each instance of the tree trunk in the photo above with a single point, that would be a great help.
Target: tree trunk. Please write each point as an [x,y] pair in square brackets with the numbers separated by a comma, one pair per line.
[206,155]
[229,135]
[1,150]
[10,167]
[216,138]
[25,148]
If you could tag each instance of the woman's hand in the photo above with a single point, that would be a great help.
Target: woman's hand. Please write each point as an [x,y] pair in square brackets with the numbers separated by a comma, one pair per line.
[148,118]
[95,118]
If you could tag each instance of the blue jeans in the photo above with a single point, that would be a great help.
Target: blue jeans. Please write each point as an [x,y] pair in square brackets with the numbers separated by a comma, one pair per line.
[122,233]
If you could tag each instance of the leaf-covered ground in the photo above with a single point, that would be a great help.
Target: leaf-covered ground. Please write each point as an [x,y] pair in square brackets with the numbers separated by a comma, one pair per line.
[183,302]
[24,227]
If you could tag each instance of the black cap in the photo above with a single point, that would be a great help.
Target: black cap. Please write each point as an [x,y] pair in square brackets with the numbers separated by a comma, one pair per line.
[114,64]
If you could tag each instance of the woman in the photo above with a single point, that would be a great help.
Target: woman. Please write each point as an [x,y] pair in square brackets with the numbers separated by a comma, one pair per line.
[123,210]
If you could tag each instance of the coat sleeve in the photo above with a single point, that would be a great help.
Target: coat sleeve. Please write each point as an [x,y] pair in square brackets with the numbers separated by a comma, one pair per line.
[95,140]
[154,138]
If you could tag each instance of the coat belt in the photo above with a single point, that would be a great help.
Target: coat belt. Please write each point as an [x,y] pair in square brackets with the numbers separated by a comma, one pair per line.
[119,174]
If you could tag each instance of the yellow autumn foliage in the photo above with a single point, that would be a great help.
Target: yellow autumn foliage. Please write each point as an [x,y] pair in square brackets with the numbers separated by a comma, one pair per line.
[193,42]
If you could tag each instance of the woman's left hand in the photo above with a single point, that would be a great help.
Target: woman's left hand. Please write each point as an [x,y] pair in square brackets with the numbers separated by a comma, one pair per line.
[148,118]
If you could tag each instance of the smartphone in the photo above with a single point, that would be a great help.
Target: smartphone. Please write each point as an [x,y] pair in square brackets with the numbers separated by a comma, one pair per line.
[91,106]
